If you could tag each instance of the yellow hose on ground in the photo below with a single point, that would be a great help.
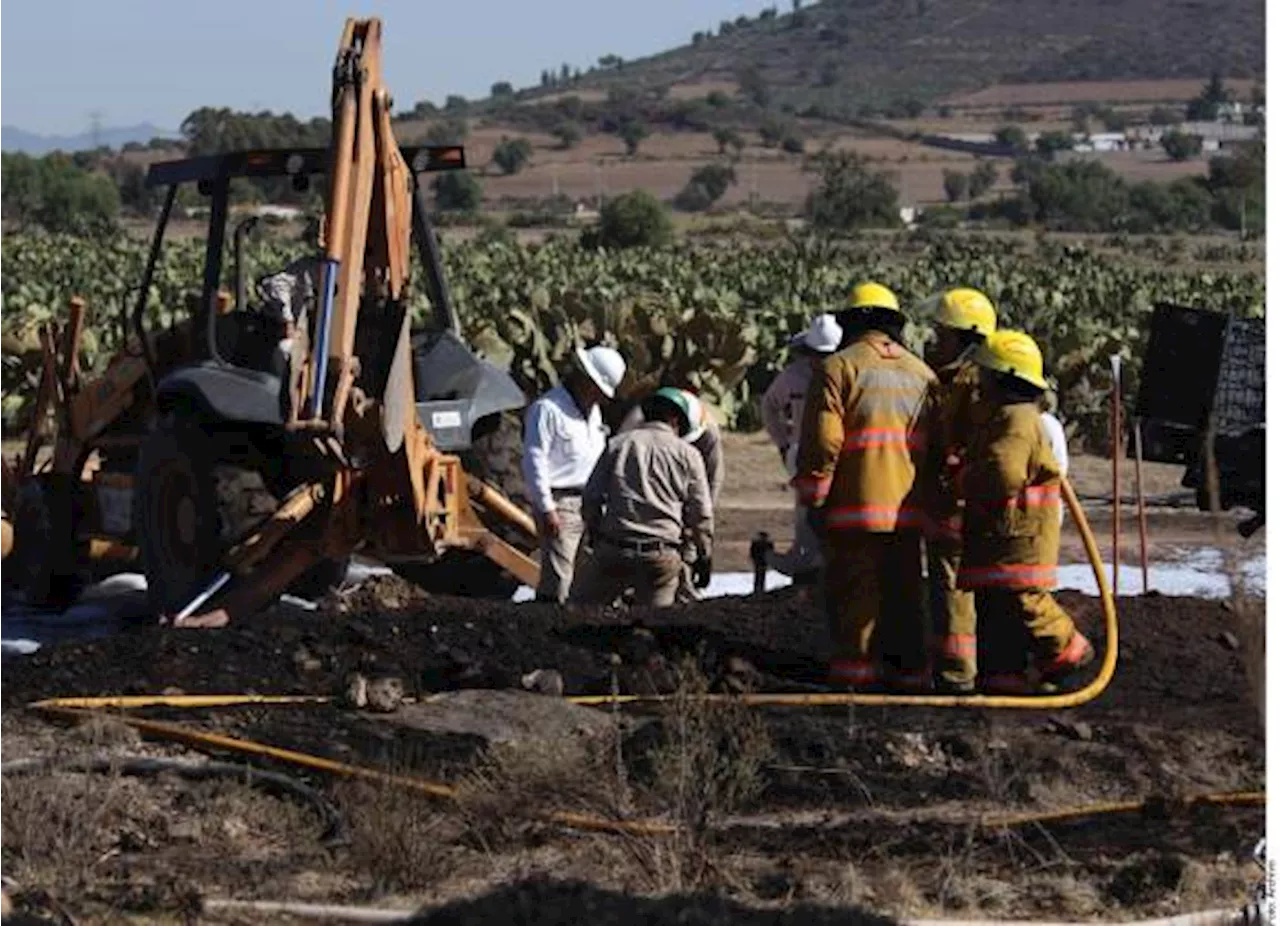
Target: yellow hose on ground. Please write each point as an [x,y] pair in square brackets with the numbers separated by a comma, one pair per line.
[1041,703]
[1227,799]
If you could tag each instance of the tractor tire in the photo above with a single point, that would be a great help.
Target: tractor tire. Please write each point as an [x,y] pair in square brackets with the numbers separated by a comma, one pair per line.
[190,508]
[495,456]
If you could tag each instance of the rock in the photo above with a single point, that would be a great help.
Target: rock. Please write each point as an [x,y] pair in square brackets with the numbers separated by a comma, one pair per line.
[6,905]
[1072,729]
[503,716]
[385,695]
[304,661]
[736,665]
[172,692]
[356,694]
[544,682]
[1229,640]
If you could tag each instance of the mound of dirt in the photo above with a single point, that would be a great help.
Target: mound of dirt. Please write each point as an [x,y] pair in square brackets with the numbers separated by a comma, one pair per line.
[1170,654]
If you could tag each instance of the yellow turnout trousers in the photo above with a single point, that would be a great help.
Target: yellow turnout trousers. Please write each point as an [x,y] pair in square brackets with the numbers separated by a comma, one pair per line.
[873,597]
[1013,623]
[955,618]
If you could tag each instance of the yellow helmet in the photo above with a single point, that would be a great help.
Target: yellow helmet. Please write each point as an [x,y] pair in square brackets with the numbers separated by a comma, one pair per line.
[1015,353]
[873,296]
[965,310]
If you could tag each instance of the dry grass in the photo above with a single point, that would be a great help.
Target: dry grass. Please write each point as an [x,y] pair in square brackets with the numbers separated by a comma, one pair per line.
[397,841]
[1088,91]
[59,828]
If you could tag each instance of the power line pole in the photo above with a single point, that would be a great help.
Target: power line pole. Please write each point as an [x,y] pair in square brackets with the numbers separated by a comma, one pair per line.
[95,128]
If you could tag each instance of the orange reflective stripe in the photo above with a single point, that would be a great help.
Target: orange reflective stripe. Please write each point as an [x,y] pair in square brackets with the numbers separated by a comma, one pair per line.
[958,645]
[852,672]
[875,517]
[863,438]
[1076,649]
[1017,575]
[812,490]
[1029,497]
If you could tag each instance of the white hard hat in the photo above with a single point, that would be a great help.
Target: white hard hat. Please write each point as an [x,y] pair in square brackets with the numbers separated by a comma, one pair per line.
[823,336]
[604,365]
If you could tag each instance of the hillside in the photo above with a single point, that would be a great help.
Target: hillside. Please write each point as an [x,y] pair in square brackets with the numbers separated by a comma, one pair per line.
[839,56]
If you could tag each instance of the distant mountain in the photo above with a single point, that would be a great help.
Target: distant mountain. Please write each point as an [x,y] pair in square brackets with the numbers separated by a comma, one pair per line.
[15,139]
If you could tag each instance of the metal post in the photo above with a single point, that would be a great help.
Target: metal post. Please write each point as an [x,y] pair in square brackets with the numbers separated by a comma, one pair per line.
[1115,474]
[1142,504]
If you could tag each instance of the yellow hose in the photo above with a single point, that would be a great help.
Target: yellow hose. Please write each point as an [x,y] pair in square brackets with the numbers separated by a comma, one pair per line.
[130,702]
[1040,703]
[1231,798]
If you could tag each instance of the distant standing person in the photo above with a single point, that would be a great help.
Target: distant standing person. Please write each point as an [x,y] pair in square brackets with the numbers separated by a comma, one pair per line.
[645,501]
[781,408]
[564,435]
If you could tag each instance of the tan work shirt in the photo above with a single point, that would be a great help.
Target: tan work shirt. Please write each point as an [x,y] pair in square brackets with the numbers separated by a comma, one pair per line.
[649,485]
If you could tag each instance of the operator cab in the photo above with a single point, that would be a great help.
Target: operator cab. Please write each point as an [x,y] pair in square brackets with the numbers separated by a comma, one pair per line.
[242,333]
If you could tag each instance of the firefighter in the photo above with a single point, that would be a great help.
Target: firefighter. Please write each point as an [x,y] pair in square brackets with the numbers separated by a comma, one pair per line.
[646,499]
[1011,486]
[862,440]
[781,407]
[962,319]
[564,435]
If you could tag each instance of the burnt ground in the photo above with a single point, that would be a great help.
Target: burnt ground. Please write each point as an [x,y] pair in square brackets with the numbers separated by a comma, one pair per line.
[875,809]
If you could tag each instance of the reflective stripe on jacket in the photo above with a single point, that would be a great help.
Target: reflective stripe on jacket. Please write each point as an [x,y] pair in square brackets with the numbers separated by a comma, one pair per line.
[863,436]
[1012,489]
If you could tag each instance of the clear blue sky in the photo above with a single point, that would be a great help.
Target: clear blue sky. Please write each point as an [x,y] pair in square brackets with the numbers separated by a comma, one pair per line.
[156,60]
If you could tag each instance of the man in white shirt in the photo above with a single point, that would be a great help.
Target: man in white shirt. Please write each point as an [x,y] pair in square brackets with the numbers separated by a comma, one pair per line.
[781,407]
[564,436]
[1058,440]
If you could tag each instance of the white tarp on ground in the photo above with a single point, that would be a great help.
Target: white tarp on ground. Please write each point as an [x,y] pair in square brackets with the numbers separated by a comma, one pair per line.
[101,608]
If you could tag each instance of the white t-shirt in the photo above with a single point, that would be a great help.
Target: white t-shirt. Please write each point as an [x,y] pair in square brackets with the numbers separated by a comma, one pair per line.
[1058,439]
[561,446]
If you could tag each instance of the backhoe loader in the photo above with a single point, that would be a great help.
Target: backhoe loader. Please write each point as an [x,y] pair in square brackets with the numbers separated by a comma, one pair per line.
[280,443]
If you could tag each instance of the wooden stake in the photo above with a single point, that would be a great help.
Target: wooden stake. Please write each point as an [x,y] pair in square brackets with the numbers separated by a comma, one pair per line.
[1115,474]
[1142,504]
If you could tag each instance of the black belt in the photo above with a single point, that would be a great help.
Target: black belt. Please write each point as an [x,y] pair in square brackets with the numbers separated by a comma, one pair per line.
[565,493]
[641,546]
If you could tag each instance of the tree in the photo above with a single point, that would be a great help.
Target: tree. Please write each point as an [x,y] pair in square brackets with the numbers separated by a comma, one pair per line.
[455,104]
[753,86]
[699,38]
[1114,121]
[850,194]
[795,5]
[1012,137]
[982,179]
[828,74]
[727,137]
[632,132]
[511,154]
[56,194]
[793,143]
[635,219]
[1204,108]
[568,134]
[1163,115]
[705,186]
[447,132]
[457,191]
[956,185]
[1051,142]
[772,131]
[718,99]
[1181,146]
[501,89]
